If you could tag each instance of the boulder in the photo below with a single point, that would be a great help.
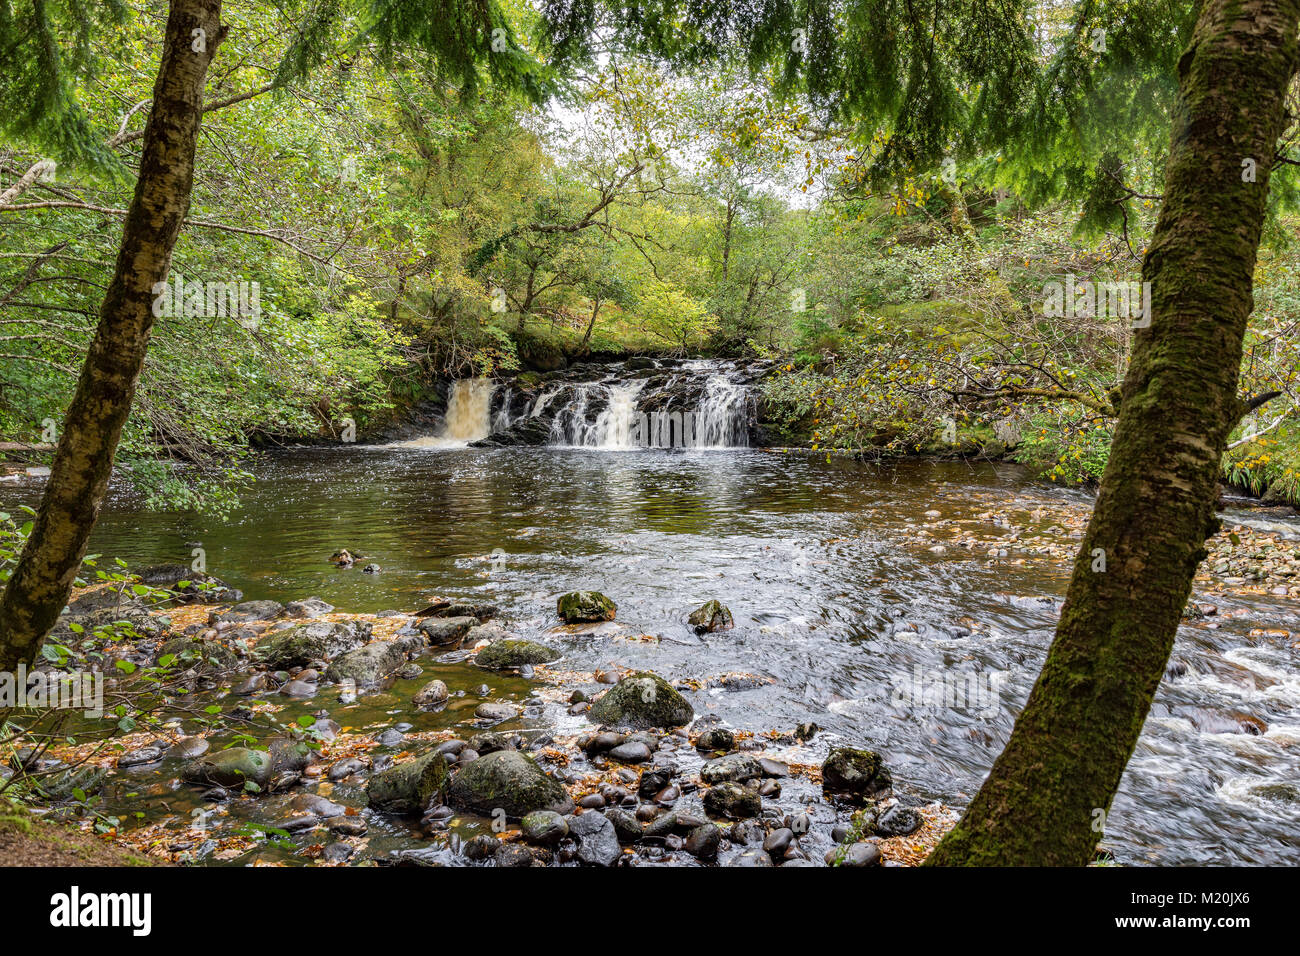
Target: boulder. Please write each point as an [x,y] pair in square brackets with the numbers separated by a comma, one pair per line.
[641,701]
[585,607]
[195,652]
[502,655]
[597,840]
[307,608]
[506,781]
[248,611]
[445,631]
[431,695]
[711,616]
[373,662]
[737,767]
[855,774]
[544,828]
[733,801]
[409,787]
[232,768]
[317,640]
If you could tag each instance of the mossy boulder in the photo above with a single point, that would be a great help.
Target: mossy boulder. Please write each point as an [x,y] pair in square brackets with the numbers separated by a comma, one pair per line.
[711,616]
[232,768]
[585,607]
[733,800]
[855,774]
[409,787]
[195,652]
[641,701]
[316,640]
[373,662]
[502,655]
[505,781]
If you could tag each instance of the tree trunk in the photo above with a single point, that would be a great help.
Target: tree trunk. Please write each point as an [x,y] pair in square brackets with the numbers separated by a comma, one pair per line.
[42,580]
[1156,506]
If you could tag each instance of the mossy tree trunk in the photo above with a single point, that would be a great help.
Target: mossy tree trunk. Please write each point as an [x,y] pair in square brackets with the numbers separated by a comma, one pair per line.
[1156,505]
[48,565]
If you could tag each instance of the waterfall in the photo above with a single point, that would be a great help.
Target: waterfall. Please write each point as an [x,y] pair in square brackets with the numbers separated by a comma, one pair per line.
[644,403]
[469,416]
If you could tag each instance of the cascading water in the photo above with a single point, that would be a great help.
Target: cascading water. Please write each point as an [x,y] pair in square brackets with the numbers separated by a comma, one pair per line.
[469,416]
[646,404]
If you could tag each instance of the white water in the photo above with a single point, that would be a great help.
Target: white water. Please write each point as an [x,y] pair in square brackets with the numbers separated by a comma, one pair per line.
[469,408]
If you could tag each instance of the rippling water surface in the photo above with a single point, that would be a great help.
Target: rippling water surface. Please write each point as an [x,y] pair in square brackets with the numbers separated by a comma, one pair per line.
[833,597]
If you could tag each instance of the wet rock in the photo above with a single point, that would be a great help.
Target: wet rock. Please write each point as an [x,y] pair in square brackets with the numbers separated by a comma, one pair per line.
[854,774]
[544,828]
[597,840]
[136,758]
[481,847]
[737,767]
[711,616]
[585,607]
[750,857]
[253,685]
[316,804]
[733,801]
[232,768]
[346,768]
[431,695]
[372,663]
[491,741]
[633,752]
[248,611]
[352,825]
[626,826]
[496,711]
[298,688]
[778,841]
[502,655]
[206,655]
[642,701]
[507,781]
[857,854]
[442,632]
[307,608]
[513,855]
[773,768]
[716,738]
[189,748]
[317,640]
[189,586]
[703,841]
[337,852]
[408,787]
[897,821]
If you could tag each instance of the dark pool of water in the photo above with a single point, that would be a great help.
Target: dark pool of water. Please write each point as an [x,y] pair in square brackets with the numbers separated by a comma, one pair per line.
[833,600]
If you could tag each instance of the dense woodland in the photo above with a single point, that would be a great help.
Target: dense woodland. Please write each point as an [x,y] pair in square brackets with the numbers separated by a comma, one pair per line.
[884,200]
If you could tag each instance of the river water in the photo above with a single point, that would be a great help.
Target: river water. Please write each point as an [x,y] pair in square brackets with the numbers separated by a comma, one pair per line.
[837,600]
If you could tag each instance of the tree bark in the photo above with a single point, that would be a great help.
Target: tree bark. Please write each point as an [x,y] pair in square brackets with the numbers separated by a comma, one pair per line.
[1062,766]
[48,565]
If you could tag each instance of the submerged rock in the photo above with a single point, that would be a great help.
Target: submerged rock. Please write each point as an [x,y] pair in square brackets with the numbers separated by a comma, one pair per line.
[585,607]
[506,781]
[711,616]
[409,787]
[515,653]
[641,701]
